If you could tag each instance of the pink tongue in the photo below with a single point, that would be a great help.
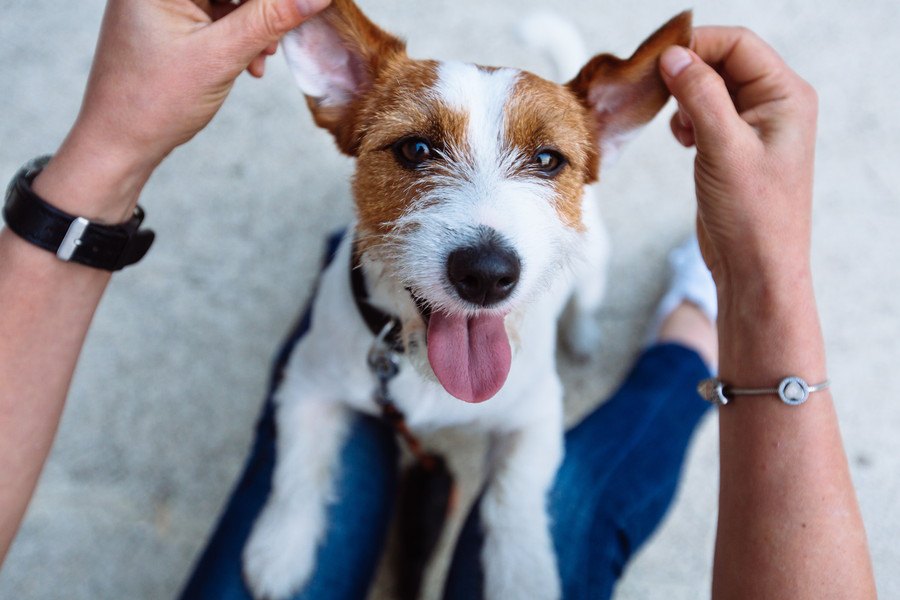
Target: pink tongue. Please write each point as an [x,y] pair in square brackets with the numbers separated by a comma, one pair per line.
[470,356]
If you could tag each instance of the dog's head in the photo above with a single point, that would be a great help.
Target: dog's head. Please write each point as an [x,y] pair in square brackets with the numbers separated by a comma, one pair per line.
[469,179]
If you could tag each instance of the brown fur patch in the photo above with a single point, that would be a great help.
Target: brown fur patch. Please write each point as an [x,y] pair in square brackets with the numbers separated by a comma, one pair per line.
[639,89]
[542,114]
[390,104]
[372,49]
[399,105]
[539,114]
[402,104]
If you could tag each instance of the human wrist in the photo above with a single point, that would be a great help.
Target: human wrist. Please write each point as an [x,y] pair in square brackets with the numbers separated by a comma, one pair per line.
[95,179]
[768,329]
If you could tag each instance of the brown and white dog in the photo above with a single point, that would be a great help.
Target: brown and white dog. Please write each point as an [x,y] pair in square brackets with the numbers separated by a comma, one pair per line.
[476,231]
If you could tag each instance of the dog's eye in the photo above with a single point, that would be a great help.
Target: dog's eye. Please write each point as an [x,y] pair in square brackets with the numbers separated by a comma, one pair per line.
[412,152]
[548,162]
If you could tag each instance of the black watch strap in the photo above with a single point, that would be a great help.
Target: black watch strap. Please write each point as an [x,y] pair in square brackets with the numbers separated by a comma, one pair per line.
[76,239]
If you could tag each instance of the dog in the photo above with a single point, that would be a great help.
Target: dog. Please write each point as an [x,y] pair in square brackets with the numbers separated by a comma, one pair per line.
[475,233]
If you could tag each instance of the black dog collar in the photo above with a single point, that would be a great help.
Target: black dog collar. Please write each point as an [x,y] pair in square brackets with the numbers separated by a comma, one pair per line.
[75,239]
[375,318]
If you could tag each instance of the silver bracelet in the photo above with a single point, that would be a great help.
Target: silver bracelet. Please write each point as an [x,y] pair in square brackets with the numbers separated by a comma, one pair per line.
[793,391]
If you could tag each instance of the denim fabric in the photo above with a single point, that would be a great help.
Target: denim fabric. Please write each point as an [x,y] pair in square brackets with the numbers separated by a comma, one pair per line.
[618,477]
[357,523]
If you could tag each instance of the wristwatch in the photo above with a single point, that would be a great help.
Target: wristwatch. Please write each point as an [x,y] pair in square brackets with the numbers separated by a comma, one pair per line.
[71,238]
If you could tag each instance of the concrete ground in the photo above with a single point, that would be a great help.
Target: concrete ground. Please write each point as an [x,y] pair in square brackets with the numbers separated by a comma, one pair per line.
[160,415]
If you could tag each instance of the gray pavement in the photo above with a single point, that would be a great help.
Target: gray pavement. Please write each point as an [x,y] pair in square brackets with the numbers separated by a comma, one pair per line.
[160,414]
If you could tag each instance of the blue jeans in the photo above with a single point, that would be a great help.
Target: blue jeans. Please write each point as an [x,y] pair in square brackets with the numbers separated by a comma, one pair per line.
[618,477]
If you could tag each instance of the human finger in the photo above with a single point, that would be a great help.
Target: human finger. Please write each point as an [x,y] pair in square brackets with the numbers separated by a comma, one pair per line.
[257,66]
[701,95]
[257,24]
[684,135]
[738,51]
[754,72]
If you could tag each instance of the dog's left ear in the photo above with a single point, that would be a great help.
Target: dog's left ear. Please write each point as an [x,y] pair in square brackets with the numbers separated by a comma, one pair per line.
[335,57]
[623,95]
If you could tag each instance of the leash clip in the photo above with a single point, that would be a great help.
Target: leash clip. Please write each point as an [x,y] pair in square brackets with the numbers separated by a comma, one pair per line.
[384,363]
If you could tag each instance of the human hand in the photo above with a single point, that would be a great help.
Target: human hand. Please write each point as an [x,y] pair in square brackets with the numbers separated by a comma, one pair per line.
[161,71]
[753,121]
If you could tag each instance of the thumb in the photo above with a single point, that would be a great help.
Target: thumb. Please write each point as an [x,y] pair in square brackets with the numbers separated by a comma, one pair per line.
[247,31]
[702,95]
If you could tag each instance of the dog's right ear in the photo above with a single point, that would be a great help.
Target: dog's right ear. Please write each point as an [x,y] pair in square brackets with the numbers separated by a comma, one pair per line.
[335,57]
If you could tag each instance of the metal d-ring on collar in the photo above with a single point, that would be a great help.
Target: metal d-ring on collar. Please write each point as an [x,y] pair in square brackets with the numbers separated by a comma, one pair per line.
[384,363]
[793,391]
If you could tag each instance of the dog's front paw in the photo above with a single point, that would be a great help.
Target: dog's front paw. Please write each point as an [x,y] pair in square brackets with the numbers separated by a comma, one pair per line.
[518,556]
[279,557]
[512,570]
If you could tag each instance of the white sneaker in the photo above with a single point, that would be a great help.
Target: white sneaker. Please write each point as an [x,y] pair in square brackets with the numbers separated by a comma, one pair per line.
[690,281]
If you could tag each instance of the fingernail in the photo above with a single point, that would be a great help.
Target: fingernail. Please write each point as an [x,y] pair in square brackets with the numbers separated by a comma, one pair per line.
[674,60]
[308,8]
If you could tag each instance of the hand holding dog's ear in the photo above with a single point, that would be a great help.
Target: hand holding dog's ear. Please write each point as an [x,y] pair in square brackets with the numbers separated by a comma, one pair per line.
[162,69]
[753,121]
[253,30]
[166,67]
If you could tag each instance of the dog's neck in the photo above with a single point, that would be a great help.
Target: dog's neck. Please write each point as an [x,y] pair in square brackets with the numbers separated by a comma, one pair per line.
[382,324]
[389,300]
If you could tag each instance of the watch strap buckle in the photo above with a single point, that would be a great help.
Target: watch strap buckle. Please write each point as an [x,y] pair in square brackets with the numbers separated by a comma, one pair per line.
[72,239]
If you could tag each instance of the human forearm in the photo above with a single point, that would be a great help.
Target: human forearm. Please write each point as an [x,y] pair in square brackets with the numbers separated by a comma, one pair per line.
[789,523]
[47,307]
[160,73]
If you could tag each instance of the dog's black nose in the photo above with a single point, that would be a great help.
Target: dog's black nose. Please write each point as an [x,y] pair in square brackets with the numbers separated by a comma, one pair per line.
[486,272]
